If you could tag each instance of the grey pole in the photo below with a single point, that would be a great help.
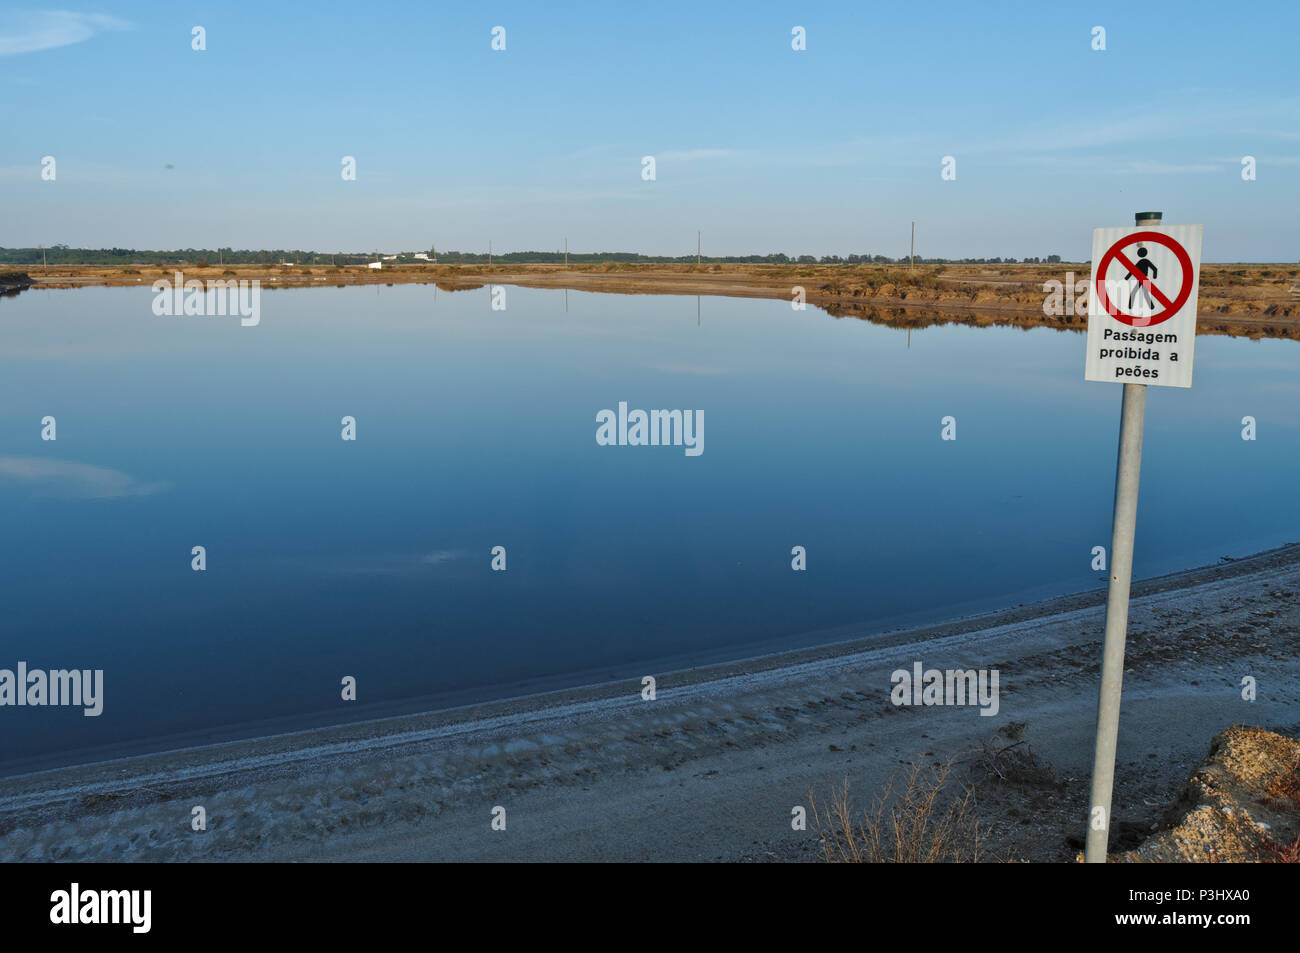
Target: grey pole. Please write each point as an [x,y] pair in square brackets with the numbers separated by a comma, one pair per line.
[1123,526]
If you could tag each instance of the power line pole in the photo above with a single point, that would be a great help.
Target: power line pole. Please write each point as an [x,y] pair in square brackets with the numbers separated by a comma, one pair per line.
[489,253]
[566,254]
[911,255]
[699,237]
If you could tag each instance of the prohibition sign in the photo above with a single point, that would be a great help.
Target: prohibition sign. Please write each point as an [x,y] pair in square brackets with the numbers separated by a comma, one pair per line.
[1115,254]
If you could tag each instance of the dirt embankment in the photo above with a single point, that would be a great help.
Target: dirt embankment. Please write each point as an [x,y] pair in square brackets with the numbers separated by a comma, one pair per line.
[1241,300]
[1242,804]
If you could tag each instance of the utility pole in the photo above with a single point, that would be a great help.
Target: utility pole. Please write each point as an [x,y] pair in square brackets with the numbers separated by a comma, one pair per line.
[699,237]
[911,255]
[489,253]
[566,255]
[1123,526]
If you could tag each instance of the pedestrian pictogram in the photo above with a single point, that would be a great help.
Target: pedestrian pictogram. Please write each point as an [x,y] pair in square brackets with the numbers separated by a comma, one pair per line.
[1148,271]
[1143,278]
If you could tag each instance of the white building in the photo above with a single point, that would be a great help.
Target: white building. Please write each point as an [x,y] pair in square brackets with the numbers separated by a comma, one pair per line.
[376,265]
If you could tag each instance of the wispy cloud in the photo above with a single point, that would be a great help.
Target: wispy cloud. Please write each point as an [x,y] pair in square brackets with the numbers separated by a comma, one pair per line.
[692,155]
[1073,136]
[369,564]
[1264,160]
[588,152]
[1147,167]
[47,30]
[86,172]
[698,370]
[508,197]
[76,480]
[632,152]
[1284,134]
[1109,165]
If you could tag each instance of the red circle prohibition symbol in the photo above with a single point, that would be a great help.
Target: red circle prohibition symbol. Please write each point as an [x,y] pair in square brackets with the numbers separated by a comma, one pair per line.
[1170,307]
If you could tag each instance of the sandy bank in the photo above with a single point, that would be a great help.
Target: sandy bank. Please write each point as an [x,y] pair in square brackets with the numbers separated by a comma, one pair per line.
[712,768]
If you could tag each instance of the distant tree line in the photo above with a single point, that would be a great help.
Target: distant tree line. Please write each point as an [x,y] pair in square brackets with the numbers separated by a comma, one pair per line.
[65,255]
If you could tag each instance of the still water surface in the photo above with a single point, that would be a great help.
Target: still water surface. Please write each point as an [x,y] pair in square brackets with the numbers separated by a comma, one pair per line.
[476,428]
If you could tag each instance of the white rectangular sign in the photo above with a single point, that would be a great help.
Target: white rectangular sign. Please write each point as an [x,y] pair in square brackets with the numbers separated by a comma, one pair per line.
[1142,304]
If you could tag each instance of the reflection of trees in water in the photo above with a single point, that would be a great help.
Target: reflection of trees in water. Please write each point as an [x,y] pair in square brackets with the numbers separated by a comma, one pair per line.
[932,317]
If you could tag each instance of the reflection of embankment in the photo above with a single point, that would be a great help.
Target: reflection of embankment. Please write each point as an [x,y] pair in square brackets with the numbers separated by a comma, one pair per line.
[901,299]
[927,317]
[920,317]
[1209,325]
[13,282]
[923,317]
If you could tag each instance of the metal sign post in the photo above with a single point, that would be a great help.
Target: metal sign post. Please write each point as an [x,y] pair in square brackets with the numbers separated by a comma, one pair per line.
[1103,316]
[1127,473]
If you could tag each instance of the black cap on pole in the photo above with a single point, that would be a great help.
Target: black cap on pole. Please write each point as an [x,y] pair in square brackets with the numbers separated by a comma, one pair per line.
[1147,218]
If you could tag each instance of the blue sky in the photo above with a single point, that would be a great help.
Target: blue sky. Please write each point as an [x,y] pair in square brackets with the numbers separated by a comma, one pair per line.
[832,150]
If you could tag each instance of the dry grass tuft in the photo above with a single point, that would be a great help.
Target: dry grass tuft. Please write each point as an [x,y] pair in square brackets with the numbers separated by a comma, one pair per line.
[1008,759]
[916,825]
